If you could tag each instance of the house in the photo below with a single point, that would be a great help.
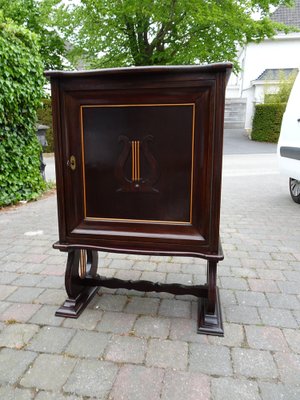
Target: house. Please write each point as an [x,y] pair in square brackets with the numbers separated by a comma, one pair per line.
[263,63]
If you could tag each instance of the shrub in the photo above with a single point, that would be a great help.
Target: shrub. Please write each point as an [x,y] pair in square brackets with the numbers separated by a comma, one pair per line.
[21,87]
[267,122]
[44,115]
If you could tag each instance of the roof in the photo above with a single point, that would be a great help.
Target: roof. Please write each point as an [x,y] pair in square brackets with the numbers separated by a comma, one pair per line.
[288,15]
[276,74]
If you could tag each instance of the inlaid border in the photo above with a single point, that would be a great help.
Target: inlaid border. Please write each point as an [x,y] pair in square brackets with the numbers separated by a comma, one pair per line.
[87,218]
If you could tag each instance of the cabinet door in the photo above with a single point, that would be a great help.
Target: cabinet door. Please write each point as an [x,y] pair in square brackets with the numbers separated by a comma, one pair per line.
[141,177]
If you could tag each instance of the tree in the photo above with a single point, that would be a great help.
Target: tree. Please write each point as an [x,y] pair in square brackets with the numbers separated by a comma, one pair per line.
[35,15]
[110,33]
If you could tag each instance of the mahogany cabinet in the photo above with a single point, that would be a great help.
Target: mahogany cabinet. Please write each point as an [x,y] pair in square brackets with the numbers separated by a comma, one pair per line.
[138,155]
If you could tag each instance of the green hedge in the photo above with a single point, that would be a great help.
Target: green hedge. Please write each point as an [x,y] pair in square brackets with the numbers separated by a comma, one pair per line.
[21,88]
[44,115]
[267,122]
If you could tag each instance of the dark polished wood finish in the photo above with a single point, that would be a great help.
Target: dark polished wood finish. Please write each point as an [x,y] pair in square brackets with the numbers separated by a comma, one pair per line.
[138,170]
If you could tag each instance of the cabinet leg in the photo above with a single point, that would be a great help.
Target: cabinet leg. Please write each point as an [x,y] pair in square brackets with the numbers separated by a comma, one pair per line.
[80,264]
[209,309]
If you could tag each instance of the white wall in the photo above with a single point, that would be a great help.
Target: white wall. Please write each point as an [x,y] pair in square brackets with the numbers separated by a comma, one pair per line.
[281,52]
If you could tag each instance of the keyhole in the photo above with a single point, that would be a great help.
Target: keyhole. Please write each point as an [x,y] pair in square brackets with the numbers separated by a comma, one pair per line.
[73,163]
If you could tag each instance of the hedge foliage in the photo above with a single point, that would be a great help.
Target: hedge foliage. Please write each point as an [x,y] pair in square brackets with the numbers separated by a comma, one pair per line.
[44,115]
[267,122]
[21,88]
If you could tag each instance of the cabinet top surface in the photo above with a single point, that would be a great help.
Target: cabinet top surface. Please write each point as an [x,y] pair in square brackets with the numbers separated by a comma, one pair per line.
[210,68]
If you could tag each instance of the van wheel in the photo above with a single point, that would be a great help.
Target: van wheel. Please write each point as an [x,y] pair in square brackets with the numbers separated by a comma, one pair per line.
[295,190]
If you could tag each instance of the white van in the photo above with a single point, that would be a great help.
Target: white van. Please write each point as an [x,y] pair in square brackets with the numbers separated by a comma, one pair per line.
[288,148]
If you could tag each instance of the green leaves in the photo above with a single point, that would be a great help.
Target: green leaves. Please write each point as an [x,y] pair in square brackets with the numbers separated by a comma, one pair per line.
[267,122]
[114,33]
[36,16]
[21,84]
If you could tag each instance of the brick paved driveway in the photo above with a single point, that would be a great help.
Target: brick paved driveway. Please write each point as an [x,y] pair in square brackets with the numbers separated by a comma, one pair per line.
[130,345]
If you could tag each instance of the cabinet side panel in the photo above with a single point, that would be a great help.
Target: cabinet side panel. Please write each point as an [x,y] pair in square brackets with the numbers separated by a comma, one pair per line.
[58,147]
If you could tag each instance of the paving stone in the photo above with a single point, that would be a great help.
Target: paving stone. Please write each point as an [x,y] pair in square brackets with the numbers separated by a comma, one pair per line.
[55,396]
[242,314]
[272,274]
[273,391]
[293,338]
[197,268]
[52,297]
[293,276]
[153,276]
[175,308]
[138,257]
[251,263]
[109,302]
[168,267]
[127,274]
[53,282]
[17,257]
[283,256]
[144,305]
[53,270]
[296,315]
[116,256]
[145,265]
[277,317]
[92,378]
[7,277]
[244,272]
[49,372]
[11,393]
[19,312]
[227,297]
[13,364]
[28,280]
[25,295]
[184,279]
[233,337]
[183,385]
[121,264]
[288,287]
[88,344]
[186,330]
[287,301]
[87,320]
[126,349]
[167,354]
[30,268]
[254,363]
[114,322]
[147,326]
[210,360]
[46,316]
[266,338]
[251,299]
[59,259]
[135,382]
[17,335]
[6,291]
[263,285]
[234,283]
[51,339]
[234,389]
[10,266]
[289,367]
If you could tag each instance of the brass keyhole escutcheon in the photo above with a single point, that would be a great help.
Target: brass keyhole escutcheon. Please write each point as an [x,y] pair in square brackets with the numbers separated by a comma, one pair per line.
[72,163]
